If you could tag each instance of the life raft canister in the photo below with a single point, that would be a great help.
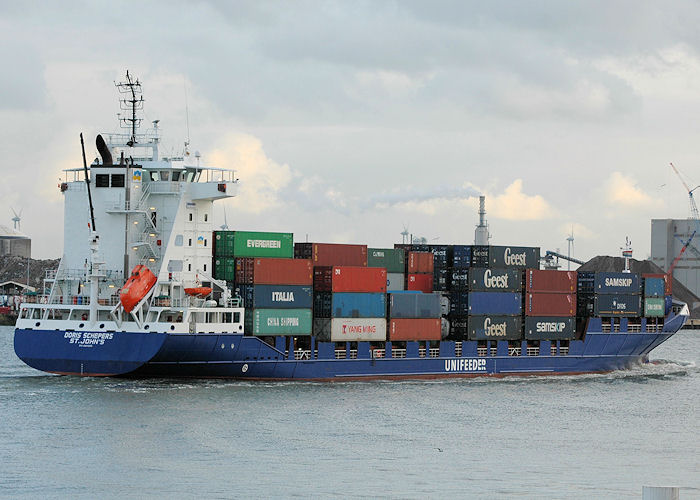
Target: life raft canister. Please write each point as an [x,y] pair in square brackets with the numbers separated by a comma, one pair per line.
[200,291]
[136,287]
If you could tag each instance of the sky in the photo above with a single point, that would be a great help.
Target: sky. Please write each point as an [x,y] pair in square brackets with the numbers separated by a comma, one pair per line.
[348,121]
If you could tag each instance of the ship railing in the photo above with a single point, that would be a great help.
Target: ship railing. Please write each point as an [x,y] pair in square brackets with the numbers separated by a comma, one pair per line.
[553,349]
[299,354]
[605,327]
[378,353]
[164,187]
[563,350]
[514,351]
[398,353]
[494,351]
[533,351]
[340,354]
[434,352]
[634,327]
[481,351]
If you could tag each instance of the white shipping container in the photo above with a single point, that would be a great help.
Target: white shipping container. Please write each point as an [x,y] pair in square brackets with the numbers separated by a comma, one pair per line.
[357,329]
[394,281]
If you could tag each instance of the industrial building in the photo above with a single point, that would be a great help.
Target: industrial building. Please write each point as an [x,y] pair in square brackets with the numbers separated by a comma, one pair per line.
[668,236]
[13,243]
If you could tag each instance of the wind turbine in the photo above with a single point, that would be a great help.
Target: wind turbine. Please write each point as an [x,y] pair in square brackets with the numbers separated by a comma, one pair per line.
[224,227]
[17,218]
[570,239]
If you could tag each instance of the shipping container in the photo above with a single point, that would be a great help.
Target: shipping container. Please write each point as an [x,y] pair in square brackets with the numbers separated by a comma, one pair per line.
[458,278]
[414,305]
[395,281]
[359,279]
[323,304]
[224,268]
[491,279]
[459,303]
[282,322]
[420,282]
[322,328]
[415,329]
[499,303]
[358,305]
[495,327]
[440,279]
[393,259]
[521,257]
[420,262]
[245,270]
[459,327]
[654,287]
[668,282]
[585,282]
[253,244]
[585,304]
[323,278]
[480,256]
[617,283]
[276,296]
[550,281]
[442,254]
[654,307]
[351,329]
[550,304]
[461,256]
[550,328]
[617,305]
[332,254]
[282,272]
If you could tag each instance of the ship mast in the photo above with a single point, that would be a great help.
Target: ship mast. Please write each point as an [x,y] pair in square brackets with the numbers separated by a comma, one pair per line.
[132,102]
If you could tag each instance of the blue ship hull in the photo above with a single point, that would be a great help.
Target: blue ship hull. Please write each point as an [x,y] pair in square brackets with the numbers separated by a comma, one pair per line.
[247,357]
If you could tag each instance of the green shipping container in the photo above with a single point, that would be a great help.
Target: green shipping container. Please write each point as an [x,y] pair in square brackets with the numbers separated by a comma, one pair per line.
[224,268]
[282,322]
[223,243]
[654,307]
[394,259]
[253,244]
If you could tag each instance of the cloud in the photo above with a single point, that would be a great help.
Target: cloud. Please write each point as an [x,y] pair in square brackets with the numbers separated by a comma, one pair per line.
[513,204]
[622,190]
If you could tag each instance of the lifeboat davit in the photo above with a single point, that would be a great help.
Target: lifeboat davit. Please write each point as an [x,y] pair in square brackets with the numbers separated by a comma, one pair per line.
[200,291]
[136,287]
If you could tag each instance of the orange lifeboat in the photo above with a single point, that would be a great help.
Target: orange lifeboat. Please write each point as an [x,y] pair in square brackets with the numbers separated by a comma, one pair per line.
[200,291]
[136,287]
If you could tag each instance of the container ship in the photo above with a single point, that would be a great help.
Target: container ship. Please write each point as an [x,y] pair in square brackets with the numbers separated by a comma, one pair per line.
[147,287]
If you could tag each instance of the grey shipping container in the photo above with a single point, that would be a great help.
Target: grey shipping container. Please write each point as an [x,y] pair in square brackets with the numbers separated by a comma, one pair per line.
[606,282]
[507,256]
[395,281]
[550,328]
[617,305]
[495,327]
[492,279]
[414,305]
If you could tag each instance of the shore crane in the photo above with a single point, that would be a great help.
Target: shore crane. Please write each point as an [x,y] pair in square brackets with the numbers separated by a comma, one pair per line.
[693,215]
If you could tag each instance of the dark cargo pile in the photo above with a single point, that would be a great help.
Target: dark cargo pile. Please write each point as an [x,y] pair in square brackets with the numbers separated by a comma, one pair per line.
[15,269]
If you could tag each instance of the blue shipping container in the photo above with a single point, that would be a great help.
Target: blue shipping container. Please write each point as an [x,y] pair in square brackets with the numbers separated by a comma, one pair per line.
[617,305]
[495,303]
[459,303]
[617,283]
[359,305]
[654,287]
[461,256]
[414,305]
[278,296]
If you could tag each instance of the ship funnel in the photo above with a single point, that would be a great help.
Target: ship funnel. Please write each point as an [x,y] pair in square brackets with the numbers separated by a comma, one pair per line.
[104,151]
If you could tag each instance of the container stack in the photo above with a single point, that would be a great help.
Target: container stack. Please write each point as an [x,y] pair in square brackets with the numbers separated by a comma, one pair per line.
[419,271]
[349,303]
[457,293]
[394,261]
[332,254]
[495,304]
[442,257]
[414,316]
[550,304]
[654,296]
[617,294]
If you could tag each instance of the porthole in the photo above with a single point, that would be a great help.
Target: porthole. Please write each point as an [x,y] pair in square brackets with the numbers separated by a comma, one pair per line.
[172,327]
[37,323]
[146,327]
[81,325]
[102,325]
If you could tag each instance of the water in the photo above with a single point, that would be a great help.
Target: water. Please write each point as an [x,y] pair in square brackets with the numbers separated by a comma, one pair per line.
[591,436]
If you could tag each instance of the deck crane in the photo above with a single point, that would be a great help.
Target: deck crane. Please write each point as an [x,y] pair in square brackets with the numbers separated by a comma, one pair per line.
[693,215]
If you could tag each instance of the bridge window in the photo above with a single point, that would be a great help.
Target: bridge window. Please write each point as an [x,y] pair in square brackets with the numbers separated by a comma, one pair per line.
[102,180]
[189,242]
[165,175]
[176,176]
[190,216]
[205,217]
[155,176]
[117,180]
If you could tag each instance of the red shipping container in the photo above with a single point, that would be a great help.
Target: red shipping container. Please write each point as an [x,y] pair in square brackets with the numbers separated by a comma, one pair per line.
[359,279]
[272,271]
[332,254]
[323,278]
[245,267]
[550,304]
[550,281]
[668,283]
[421,282]
[420,262]
[415,329]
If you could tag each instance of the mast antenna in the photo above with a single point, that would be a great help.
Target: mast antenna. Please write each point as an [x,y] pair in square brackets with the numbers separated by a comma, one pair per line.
[132,102]
[187,116]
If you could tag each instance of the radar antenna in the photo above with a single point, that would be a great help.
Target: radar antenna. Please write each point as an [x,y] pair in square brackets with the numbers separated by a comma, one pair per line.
[133,102]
